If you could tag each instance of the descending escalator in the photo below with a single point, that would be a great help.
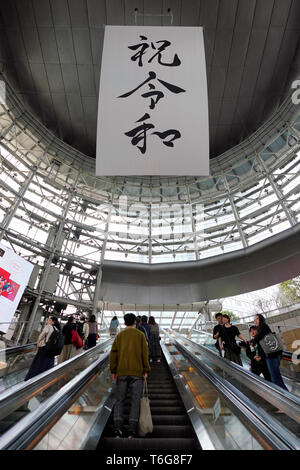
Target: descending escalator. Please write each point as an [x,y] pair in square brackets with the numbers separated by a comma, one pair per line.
[172,429]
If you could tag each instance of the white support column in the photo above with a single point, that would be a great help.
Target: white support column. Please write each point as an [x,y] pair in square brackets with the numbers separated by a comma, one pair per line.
[11,213]
[150,234]
[235,213]
[277,191]
[193,223]
[99,274]
[48,264]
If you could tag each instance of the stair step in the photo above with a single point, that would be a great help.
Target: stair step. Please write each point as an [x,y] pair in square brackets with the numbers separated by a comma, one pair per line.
[145,443]
[161,420]
[159,396]
[159,430]
[159,402]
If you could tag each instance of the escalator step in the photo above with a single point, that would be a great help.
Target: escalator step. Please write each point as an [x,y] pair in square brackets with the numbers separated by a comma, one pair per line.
[145,443]
[162,390]
[162,385]
[161,420]
[160,402]
[160,396]
[166,410]
[159,430]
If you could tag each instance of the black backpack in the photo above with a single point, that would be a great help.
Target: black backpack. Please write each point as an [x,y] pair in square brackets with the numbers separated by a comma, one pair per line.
[55,343]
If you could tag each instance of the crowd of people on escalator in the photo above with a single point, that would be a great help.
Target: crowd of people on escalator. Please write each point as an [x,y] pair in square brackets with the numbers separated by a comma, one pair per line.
[65,342]
[262,348]
[132,351]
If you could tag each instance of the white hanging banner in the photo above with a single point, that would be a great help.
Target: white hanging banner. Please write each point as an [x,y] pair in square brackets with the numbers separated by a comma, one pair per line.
[153,106]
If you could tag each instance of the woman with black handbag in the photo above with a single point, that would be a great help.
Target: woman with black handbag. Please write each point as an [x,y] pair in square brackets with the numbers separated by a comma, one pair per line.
[227,341]
[273,351]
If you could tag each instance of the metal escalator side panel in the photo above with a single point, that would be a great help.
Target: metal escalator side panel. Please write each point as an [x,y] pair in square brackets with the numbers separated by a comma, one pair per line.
[31,429]
[190,404]
[17,395]
[255,418]
[283,400]
[92,440]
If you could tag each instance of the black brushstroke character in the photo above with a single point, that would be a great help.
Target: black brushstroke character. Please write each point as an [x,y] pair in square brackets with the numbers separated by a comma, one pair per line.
[143,47]
[140,133]
[163,135]
[152,91]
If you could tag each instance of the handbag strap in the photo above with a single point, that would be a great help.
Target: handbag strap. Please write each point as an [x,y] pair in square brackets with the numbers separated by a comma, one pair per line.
[145,388]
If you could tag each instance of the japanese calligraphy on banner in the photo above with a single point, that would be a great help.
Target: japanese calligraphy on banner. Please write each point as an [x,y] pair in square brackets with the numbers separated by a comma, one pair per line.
[153,107]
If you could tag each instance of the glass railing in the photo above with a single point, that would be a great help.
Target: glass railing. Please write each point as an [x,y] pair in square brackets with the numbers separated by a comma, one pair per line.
[286,420]
[22,398]
[283,406]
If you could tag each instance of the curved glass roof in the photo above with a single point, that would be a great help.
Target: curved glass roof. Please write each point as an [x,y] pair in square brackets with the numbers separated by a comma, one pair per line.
[52,203]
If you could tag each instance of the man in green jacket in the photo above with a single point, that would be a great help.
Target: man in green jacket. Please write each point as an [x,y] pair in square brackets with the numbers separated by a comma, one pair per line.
[129,365]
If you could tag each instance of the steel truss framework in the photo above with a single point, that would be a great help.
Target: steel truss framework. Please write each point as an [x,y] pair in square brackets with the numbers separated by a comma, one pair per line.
[56,213]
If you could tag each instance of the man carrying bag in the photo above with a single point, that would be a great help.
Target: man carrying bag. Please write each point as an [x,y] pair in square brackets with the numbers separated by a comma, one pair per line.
[129,365]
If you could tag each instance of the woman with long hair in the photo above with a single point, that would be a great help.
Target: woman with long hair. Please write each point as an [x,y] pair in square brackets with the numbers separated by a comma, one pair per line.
[42,360]
[93,332]
[114,325]
[154,339]
[273,359]
[227,341]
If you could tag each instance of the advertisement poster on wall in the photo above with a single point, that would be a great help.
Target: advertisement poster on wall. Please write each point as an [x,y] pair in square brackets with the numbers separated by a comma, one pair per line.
[14,276]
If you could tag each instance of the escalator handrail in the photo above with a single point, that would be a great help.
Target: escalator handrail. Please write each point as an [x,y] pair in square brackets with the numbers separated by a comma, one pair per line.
[282,399]
[27,432]
[18,394]
[28,347]
[18,349]
[271,430]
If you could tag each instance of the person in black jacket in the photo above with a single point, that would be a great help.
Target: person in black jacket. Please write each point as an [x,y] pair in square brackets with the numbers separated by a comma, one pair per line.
[69,349]
[273,359]
[228,343]
[257,356]
[217,329]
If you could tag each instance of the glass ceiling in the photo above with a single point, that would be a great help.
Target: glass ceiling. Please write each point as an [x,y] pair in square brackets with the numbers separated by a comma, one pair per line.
[49,204]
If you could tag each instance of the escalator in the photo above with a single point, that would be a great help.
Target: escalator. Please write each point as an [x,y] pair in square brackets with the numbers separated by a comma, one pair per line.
[21,398]
[172,427]
[283,406]
[192,407]
[17,360]
[291,376]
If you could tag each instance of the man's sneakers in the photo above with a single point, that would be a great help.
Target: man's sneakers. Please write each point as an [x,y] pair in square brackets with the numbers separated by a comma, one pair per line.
[118,433]
[131,434]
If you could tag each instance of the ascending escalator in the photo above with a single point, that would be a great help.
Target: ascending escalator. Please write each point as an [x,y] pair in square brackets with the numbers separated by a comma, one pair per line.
[192,408]
[172,427]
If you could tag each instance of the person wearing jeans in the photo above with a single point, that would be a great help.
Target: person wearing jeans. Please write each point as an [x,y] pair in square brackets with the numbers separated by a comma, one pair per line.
[129,365]
[273,359]
[135,387]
